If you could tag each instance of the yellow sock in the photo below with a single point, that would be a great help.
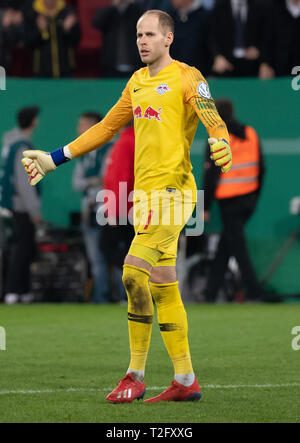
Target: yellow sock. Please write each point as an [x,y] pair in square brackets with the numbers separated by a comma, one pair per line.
[173,325]
[140,314]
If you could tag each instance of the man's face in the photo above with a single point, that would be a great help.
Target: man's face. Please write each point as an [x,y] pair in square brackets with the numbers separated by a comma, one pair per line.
[84,124]
[152,42]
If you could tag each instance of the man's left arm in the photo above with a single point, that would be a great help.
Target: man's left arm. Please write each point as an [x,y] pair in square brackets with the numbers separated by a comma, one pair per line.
[197,94]
[211,175]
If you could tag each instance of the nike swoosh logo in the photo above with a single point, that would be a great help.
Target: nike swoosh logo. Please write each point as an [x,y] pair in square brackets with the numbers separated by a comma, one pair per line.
[136,90]
[143,233]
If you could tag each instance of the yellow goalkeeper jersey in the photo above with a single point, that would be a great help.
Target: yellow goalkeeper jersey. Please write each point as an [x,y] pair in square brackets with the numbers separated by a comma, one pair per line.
[166,109]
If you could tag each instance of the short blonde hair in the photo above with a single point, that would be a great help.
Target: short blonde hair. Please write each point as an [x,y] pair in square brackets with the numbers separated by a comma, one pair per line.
[165,20]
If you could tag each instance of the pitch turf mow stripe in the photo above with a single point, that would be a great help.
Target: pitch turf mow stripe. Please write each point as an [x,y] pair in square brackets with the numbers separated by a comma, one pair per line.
[151,388]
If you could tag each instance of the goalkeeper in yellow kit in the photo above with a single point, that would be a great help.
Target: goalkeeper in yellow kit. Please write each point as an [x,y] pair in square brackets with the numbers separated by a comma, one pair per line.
[166,99]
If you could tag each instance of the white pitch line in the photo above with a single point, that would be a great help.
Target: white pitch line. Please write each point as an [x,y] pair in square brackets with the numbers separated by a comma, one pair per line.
[282,385]
[151,388]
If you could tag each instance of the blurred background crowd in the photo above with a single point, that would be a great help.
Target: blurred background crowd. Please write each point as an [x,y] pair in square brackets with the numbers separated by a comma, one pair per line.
[96,38]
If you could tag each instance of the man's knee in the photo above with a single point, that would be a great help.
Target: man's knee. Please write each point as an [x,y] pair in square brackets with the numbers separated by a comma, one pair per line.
[136,282]
[134,276]
[129,278]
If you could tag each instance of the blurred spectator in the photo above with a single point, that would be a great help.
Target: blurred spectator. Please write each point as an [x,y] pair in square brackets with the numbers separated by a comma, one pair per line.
[118,234]
[237,33]
[164,5]
[191,33]
[117,22]
[237,193]
[52,33]
[24,202]
[14,4]
[11,33]
[145,5]
[87,179]
[281,50]
[208,4]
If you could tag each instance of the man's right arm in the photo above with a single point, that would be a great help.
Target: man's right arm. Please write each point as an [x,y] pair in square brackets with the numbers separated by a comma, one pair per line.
[37,163]
[102,132]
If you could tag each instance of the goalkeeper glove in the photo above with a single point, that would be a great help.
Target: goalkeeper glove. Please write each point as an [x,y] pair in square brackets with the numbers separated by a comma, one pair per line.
[220,153]
[38,163]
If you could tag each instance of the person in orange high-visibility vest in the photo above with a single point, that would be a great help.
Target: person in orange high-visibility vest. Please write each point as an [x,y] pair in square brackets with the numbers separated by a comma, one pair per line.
[237,193]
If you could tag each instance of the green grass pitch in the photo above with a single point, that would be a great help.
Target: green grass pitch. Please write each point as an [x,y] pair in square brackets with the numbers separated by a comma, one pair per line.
[61,361]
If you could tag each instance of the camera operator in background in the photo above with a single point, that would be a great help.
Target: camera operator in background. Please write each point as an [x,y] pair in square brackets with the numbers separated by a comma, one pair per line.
[87,179]
[237,193]
[23,201]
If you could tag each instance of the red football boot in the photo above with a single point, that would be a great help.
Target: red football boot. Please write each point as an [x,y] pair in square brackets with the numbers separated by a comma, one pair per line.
[128,389]
[178,392]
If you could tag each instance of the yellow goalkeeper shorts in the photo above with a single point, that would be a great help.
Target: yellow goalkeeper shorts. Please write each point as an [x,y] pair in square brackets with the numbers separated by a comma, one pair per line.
[159,219]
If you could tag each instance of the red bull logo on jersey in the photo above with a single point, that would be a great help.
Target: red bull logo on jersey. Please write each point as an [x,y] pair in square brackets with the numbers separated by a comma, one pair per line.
[150,113]
[137,113]
[162,88]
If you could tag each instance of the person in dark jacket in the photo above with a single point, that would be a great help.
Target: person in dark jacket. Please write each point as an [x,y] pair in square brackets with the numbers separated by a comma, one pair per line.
[237,193]
[52,33]
[237,33]
[191,21]
[24,203]
[117,22]
[282,40]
